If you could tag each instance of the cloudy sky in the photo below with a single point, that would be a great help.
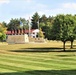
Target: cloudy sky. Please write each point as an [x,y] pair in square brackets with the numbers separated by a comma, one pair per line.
[26,8]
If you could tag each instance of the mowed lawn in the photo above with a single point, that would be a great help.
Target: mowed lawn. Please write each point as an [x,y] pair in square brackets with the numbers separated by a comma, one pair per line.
[37,59]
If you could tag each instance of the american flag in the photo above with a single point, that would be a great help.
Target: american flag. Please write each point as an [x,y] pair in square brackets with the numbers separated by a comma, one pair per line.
[21,24]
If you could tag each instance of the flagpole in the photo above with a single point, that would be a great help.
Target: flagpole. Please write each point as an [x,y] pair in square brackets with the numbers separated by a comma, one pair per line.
[38,24]
[21,27]
[38,27]
[29,29]
[29,26]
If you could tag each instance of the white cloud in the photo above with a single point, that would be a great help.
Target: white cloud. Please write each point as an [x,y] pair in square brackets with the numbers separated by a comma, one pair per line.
[28,1]
[56,11]
[27,8]
[70,6]
[4,1]
[66,8]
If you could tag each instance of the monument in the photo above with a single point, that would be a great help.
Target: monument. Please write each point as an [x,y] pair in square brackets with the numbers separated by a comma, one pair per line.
[17,36]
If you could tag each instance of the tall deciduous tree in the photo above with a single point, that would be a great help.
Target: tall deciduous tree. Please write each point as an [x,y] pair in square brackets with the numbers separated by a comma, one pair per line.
[60,29]
[70,21]
[64,29]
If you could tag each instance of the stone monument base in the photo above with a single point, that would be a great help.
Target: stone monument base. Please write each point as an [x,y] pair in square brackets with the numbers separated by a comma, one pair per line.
[17,39]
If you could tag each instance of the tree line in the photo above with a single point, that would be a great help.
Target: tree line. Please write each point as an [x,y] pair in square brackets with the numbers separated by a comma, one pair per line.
[60,27]
[42,22]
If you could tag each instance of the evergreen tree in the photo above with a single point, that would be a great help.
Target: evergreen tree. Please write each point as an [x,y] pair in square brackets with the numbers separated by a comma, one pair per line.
[35,21]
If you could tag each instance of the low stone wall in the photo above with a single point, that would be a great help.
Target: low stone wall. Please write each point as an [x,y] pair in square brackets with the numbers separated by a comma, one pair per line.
[36,39]
[17,38]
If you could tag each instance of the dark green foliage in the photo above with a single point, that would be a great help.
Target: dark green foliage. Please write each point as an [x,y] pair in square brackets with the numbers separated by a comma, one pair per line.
[46,24]
[14,24]
[35,20]
[63,29]
[59,29]
[47,30]
[25,23]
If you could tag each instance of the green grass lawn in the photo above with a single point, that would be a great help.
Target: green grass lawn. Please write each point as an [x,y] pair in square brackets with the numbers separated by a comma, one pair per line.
[37,59]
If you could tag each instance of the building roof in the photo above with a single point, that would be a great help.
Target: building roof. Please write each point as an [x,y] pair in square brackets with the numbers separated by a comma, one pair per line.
[22,31]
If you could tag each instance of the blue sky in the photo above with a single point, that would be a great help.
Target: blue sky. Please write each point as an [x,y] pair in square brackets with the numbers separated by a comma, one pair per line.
[26,8]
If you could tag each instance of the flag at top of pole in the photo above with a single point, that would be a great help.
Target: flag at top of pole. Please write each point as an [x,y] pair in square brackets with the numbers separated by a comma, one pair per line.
[29,22]
[21,24]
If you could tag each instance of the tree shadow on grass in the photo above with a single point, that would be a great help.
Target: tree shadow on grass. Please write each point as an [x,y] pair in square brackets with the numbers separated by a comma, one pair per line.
[43,72]
[70,55]
[44,49]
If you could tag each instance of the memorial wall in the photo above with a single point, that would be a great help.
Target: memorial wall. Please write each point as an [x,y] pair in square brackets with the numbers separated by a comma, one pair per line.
[18,38]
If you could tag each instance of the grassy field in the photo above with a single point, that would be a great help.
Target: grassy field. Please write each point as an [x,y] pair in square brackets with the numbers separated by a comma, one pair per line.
[37,59]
